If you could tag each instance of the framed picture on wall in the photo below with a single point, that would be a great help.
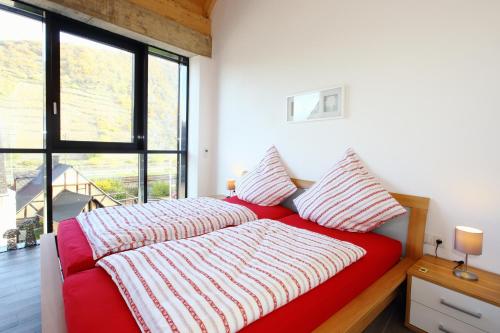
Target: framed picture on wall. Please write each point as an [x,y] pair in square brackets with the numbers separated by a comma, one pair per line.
[316,105]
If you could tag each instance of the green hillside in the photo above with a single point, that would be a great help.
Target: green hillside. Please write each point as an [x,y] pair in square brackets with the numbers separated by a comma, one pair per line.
[96,104]
[96,95]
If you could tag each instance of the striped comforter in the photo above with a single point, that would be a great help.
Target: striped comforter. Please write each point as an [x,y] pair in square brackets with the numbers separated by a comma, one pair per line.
[115,229]
[225,280]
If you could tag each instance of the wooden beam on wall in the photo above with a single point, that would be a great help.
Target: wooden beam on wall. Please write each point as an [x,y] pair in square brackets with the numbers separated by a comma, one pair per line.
[127,15]
[173,10]
[208,7]
[192,5]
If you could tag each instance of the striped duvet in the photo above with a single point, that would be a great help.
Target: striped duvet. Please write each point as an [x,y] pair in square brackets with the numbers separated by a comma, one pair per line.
[115,229]
[225,280]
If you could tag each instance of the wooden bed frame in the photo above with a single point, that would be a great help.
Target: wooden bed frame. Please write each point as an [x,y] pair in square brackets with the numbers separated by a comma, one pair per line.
[356,315]
[353,317]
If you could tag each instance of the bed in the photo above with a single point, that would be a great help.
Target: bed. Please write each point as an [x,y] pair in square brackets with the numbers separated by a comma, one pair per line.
[93,302]
[351,311]
[75,253]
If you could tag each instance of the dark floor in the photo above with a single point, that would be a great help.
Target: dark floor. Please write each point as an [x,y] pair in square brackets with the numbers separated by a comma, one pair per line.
[391,320]
[20,291]
[20,297]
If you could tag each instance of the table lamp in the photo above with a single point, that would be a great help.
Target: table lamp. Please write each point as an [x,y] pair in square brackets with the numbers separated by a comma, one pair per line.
[231,186]
[469,241]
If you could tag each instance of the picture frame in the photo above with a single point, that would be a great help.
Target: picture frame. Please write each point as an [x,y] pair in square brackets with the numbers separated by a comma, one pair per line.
[324,104]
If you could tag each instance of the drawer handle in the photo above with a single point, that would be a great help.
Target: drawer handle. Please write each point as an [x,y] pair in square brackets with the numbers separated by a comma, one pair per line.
[458,308]
[444,329]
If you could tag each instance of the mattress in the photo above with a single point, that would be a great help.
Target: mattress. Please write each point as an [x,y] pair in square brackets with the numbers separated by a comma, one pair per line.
[94,304]
[75,253]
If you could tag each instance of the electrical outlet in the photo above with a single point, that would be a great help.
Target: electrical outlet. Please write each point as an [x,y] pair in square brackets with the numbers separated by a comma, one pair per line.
[431,239]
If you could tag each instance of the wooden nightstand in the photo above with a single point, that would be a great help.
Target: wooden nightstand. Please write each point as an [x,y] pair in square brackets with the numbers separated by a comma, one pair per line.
[437,301]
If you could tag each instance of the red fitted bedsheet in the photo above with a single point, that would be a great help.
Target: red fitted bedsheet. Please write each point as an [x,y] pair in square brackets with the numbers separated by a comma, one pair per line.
[94,304]
[75,253]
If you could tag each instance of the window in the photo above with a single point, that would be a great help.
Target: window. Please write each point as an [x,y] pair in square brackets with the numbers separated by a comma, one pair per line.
[97,96]
[107,113]
[22,124]
[83,182]
[162,176]
[163,103]
[22,193]
[98,79]
[22,95]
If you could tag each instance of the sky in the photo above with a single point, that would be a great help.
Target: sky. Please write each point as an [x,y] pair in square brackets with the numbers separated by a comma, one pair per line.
[15,27]
[10,23]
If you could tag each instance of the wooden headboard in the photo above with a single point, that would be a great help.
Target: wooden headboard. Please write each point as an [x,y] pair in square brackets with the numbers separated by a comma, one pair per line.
[417,219]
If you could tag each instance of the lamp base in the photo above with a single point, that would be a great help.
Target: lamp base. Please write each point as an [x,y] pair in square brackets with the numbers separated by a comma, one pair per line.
[466,275]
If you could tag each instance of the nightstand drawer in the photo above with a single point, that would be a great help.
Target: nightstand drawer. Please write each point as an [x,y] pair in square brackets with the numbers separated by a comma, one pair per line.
[433,321]
[462,307]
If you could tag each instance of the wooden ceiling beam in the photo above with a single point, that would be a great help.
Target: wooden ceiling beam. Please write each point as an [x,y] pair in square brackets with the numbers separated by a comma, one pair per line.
[193,6]
[182,12]
[129,18]
[208,7]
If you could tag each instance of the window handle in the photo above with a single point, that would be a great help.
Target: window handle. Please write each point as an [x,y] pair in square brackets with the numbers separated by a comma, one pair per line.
[54,108]
[444,329]
[458,308]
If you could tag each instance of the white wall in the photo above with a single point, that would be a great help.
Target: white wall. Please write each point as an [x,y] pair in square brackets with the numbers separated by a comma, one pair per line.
[202,125]
[8,213]
[423,82]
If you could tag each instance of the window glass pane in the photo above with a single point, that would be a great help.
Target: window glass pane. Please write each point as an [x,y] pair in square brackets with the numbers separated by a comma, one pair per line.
[82,182]
[162,176]
[163,101]
[22,197]
[22,77]
[97,99]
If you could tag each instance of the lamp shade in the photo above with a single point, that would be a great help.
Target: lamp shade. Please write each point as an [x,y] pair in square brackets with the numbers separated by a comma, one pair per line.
[468,240]
[231,184]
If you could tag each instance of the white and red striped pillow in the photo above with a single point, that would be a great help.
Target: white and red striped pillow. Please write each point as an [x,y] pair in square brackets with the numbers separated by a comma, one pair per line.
[348,198]
[268,184]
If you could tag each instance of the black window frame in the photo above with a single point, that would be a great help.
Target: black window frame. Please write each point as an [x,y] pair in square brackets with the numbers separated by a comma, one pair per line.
[54,24]
[59,24]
